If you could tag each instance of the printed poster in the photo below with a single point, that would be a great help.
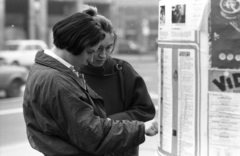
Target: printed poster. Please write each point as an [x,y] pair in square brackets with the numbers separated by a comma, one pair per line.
[225,34]
[167,96]
[186,102]
[224,112]
[224,79]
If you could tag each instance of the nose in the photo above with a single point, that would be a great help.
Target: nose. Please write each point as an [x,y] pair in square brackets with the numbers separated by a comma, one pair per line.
[103,53]
[90,59]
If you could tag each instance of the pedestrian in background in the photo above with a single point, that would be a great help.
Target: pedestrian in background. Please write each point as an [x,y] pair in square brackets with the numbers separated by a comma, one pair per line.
[123,90]
[63,115]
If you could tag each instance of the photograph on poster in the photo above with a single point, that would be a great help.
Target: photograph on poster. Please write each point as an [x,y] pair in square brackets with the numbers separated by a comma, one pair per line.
[178,14]
[225,34]
[162,15]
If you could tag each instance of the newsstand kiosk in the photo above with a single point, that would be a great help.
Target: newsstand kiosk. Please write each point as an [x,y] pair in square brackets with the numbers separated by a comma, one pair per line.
[199,78]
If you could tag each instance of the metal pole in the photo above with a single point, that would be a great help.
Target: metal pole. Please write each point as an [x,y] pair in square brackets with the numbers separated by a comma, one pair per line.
[31,21]
[2,22]
[42,22]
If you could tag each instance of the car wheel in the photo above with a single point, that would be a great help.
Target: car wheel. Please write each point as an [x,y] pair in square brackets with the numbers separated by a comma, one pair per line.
[14,89]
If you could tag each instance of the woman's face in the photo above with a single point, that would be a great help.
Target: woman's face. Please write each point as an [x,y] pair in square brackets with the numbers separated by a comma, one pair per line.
[85,57]
[103,51]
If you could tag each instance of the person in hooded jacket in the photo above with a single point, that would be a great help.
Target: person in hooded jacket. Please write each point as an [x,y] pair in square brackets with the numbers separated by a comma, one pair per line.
[63,115]
[123,90]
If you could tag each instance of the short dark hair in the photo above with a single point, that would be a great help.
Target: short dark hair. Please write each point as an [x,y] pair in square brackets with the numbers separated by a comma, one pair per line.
[77,32]
[105,23]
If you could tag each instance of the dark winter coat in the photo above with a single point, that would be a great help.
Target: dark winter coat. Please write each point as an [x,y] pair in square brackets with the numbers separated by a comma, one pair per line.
[64,119]
[123,90]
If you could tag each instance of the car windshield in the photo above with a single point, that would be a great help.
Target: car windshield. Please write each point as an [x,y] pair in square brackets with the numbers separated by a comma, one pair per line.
[10,47]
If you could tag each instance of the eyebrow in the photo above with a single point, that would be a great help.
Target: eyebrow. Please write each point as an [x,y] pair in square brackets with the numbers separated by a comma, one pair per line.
[110,45]
[90,50]
[107,45]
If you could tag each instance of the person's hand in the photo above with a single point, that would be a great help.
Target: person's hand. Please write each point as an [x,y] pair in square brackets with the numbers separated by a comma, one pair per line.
[151,127]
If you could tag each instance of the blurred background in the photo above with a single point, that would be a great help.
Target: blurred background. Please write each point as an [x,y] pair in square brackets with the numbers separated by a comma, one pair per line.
[134,20]
[25,27]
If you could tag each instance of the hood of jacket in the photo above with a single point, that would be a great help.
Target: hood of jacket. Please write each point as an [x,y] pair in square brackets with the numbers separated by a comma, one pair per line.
[46,60]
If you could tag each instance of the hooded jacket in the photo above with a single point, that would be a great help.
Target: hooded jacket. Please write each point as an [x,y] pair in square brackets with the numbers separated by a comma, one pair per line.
[64,119]
[123,90]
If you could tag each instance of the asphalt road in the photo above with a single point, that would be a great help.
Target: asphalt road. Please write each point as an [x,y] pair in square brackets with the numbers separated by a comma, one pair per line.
[13,138]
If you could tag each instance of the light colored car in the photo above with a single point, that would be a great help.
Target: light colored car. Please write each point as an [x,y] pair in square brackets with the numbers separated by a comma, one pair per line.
[21,52]
[129,47]
[12,79]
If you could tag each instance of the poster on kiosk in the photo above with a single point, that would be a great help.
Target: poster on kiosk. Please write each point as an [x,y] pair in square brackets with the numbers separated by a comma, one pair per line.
[199,78]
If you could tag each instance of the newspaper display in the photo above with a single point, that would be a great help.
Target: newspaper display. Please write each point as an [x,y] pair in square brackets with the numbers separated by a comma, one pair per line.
[167,100]
[190,125]
[175,22]
[186,102]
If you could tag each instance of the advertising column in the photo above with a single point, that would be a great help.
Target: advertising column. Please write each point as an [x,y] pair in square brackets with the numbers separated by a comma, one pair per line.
[180,52]
[199,77]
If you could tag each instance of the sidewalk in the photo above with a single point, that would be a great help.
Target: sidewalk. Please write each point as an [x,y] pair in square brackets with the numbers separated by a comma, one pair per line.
[149,147]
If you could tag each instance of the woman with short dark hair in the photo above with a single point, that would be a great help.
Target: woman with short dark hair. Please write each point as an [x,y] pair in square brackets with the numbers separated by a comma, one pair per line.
[65,117]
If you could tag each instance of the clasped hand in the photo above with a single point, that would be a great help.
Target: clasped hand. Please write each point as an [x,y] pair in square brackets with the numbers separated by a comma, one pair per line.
[151,127]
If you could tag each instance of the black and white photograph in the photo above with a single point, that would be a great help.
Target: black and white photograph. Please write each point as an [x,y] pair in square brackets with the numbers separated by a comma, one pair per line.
[179,14]
[162,17]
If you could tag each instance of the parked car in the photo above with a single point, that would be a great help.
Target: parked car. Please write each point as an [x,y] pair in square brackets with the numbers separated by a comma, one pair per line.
[21,52]
[12,78]
[128,47]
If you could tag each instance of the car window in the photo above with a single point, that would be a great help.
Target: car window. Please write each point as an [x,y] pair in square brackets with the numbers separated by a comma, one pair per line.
[30,47]
[38,47]
[10,47]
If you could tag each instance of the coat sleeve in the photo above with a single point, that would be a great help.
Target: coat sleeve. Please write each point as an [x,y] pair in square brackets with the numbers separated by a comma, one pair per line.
[90,132]
[138,104]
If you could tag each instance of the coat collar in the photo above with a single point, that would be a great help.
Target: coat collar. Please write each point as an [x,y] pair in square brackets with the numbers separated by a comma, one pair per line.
[46,60]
